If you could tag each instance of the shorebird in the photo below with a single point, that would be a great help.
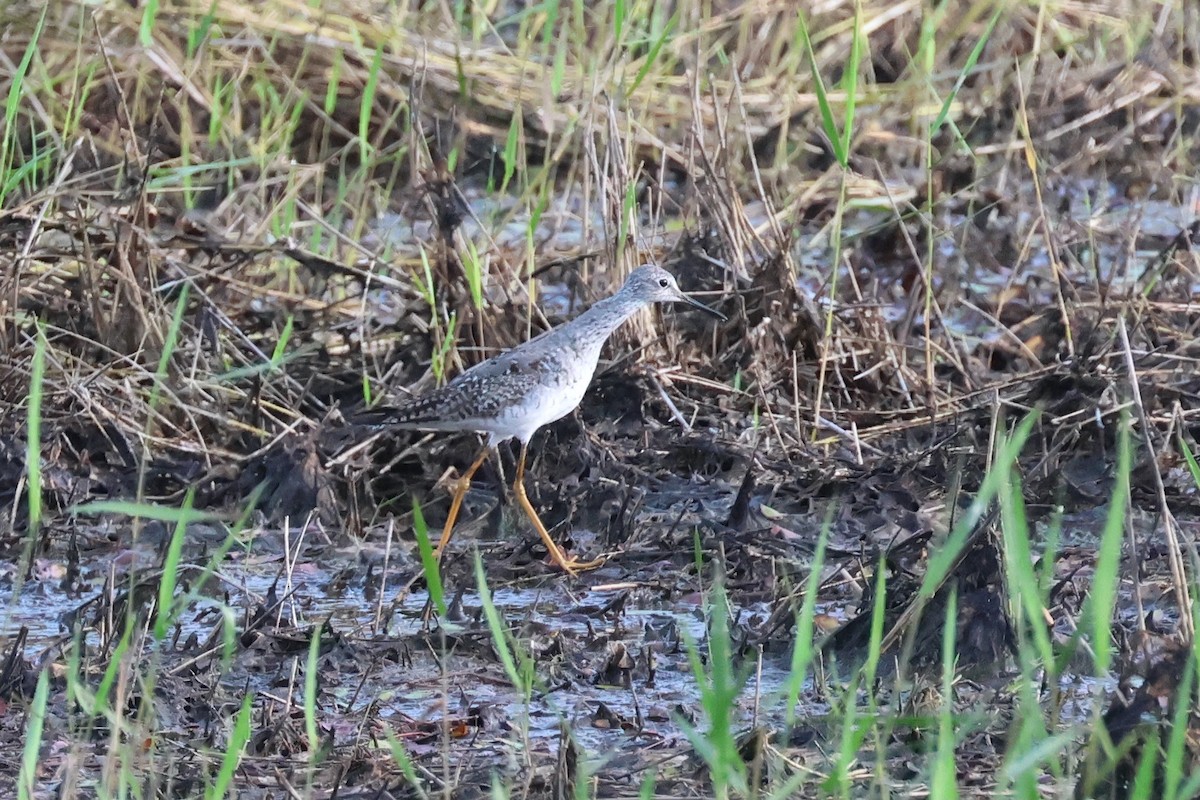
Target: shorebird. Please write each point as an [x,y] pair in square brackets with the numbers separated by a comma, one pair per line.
[513,394]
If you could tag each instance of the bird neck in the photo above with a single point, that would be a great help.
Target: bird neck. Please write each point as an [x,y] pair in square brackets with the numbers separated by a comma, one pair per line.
[607,315]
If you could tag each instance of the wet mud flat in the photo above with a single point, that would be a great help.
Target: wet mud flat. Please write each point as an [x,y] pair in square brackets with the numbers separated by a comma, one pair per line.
[298,581]
[293,577]
[597,678]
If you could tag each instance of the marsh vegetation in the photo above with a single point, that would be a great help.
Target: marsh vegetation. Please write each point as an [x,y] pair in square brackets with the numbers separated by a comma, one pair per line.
[917,519]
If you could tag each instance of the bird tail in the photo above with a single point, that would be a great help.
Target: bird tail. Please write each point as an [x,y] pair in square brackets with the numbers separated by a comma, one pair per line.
[378,417]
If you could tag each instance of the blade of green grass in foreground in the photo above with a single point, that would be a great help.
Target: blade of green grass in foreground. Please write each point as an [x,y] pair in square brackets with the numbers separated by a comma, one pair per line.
[509,652]
[169,344]
[853,734]
[367,105]
[279,357]
[79,689]
[1032,753]
[146,28]
[473,268]
[1103,598]
[964,73]
[441,355]
[945,556]
[858,43]
[16,91]
[1184,705]
[1022,582]
[33,441]
[160,381]
[830,127]
[280,350]
[943,783]
[883,729]
[33,737]
[170,572]
[802,647]
[878,615]
[515,135]
[404,762]
[429,564]
[649,782]
[198,33]
[719,689]
[310,694]
[1037,751]
[146,511]
[652,55]
[1143,779]
[233,751]
[169,606]
[1175,755]
[1188,456]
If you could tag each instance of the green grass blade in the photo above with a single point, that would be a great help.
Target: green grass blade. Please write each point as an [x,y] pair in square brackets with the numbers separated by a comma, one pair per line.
[878,614]
[310,694]
[16,91]
[405,763]
[719,686]
[943,783]
[965,72]
[655,49]
[238,738]
[858,43]
[802,647]
[943,559]
[33,737]
[500,635]
[33,434]
[433,572]
[146,28]
[1175,757]
[1040,752]
[620,10]
[145,511]
[198,34]
[1018,558]
[511,145]
[277,355]
[1188,456]
[170,573]
[99,700]
[441,355]
[169,344]
[827,121]
[473,269]
[1103,598]
[367,105]
[853,734]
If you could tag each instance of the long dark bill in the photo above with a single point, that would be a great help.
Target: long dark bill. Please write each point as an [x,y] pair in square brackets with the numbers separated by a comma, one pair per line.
[697,304]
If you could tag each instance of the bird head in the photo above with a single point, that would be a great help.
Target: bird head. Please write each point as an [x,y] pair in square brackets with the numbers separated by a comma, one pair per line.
[653,284]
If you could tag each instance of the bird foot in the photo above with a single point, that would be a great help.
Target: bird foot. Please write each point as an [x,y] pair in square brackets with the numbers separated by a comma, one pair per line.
[573,566]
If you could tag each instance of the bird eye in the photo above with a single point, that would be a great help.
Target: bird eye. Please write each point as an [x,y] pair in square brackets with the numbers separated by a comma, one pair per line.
[663,282]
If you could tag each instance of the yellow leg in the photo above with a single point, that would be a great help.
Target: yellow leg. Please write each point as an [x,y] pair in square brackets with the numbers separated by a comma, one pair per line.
[460,491]
[556,554]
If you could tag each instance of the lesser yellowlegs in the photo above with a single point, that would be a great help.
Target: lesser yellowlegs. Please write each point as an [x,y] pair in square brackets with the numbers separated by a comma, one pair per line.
[511,395]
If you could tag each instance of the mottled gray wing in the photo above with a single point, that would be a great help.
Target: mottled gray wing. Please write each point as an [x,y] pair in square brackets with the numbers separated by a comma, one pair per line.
[479,393]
